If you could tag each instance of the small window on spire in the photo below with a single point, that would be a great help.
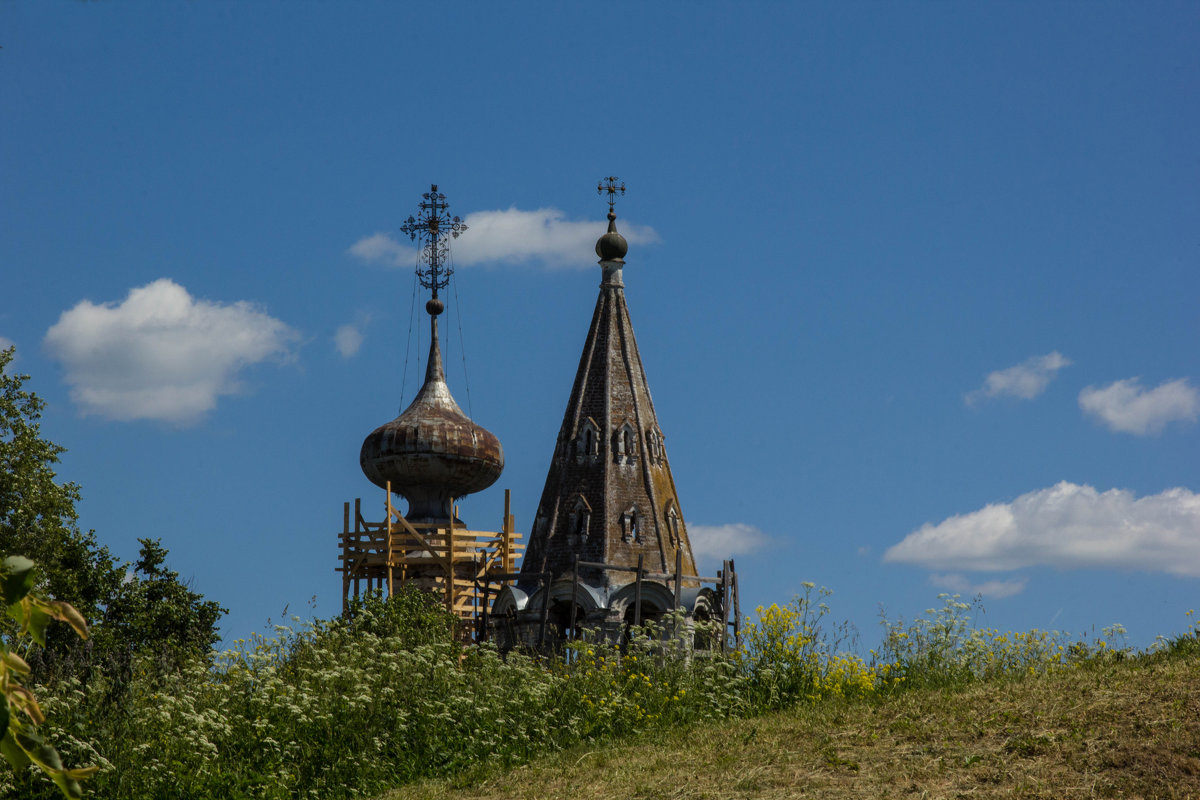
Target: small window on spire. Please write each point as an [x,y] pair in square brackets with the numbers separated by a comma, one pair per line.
[652,445]
[631,525]
[580,521]
[625,445]
[673,523]
[587,442]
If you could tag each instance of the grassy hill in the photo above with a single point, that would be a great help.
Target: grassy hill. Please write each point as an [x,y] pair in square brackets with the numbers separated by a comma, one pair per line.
[388,697]
[1117,727]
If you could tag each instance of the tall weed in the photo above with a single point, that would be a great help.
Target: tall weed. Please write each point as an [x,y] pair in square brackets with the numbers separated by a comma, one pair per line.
[388,694]
[944,648]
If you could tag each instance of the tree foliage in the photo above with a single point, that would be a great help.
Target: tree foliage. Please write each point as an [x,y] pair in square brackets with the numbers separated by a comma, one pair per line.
[153,611]
[37,514]
[411,617]
[132,608]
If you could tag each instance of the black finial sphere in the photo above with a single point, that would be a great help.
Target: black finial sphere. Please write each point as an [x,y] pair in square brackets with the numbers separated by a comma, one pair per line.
[612,245]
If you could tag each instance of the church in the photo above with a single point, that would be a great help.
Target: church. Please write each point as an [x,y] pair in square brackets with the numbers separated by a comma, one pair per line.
[609,546]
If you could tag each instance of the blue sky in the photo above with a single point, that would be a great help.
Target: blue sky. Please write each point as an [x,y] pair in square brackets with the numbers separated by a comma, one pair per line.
[916,285]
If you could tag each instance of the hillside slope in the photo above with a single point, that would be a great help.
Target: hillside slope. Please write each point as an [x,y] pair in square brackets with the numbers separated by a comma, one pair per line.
[1123,728]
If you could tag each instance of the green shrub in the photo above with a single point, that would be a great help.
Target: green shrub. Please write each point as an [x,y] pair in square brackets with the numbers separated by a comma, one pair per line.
[387,694]
[21,744]
[943,648]
[789,658]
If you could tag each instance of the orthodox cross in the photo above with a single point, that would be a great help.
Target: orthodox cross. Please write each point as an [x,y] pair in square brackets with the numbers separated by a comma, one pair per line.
[431,227]
[609,185]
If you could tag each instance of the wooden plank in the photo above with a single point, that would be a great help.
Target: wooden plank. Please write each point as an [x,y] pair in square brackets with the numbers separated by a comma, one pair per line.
[380,536]
[574,591]
[612,567]
[725,604]
[506,529]
[637,594]
[413,532]
[678,576]
[464,533]
[373,552]
[737,608]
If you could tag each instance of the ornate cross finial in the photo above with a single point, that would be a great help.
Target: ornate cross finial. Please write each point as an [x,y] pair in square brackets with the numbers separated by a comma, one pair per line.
[431,227]
[609,185]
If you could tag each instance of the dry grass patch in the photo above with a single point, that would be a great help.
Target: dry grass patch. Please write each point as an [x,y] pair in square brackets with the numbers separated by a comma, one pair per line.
[1118,728]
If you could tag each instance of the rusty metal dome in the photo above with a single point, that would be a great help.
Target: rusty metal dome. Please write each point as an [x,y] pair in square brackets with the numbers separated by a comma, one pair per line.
[432,453]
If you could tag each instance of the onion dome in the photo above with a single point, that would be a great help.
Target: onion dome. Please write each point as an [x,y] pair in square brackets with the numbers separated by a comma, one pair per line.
[432,453]
[612,245]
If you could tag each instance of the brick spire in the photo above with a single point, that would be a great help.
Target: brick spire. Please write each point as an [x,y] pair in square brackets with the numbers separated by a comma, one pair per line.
[609,494]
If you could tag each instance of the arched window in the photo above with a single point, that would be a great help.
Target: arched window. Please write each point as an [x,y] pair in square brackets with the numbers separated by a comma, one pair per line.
[587,441]
[652,445]
[673,525]
[625,445]
[631,525]
[580,521]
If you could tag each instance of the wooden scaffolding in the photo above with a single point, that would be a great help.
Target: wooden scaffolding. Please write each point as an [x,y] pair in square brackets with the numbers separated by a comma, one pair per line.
[465,568]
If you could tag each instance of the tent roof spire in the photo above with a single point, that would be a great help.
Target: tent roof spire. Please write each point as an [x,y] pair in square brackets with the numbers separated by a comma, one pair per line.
[609,495]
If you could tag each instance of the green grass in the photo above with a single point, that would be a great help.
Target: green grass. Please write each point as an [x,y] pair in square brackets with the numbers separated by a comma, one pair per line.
[1113,727]
[356,707]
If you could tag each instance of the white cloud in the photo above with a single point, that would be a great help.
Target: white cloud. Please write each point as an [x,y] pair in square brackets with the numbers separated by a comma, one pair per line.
[6,343]
[719,542]
[959,584]
[1025,381]
[382,248]
[511,236]
[1126,407]
[161,354]
[348,338]
[1067,526]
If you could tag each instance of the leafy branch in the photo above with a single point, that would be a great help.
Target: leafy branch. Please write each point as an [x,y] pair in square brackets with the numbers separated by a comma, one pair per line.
[20,713]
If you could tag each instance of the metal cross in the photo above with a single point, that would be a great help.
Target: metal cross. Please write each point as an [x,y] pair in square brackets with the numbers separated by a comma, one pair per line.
[609,185]
[431,227]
